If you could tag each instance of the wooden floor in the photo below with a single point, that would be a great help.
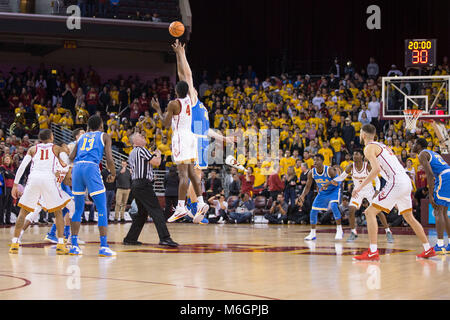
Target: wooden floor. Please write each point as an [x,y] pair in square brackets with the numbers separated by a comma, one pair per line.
[222,262]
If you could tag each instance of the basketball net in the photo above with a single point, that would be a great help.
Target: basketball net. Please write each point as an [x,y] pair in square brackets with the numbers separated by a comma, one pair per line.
[411,117]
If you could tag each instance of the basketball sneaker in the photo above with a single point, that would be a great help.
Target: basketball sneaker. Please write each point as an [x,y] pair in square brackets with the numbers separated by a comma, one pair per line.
[51,238]
[367,256]
[427,254]
[339,235]
[440,250]
[202,209]
[179,213]
[389,237]
[75,251]
[310,237]
[204,221]
[352,237]
[61,249]
[14,248]
[106,252]
[447,248]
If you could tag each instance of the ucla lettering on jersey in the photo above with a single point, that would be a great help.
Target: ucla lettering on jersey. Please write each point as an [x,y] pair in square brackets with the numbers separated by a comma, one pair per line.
[90,147]
[323,178]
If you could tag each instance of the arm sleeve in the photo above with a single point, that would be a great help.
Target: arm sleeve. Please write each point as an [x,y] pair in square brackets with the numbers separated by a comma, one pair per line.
[377,184]
[22,168]
[342,177]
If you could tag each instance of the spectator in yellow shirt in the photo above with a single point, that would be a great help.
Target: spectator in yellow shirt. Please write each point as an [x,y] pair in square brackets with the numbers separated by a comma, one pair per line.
[66,121]
[327,153]
[43,120]
[308,160]
[286,162]
[337,143]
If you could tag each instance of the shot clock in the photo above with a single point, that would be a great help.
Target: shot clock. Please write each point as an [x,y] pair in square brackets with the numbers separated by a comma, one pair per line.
[420,52]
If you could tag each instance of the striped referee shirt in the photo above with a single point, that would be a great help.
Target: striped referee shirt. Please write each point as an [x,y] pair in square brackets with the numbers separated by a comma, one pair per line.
[139,161]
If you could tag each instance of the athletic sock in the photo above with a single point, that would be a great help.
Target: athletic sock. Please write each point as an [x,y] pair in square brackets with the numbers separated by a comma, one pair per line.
[181,203]
[339,227]
[15,240]
[354,231]
[66,231]
[426,246]
[103,241]
[60,240]
[74,240]
[21,234]
[387,230]
[313,232]
[373,248]
[200,200]
[52,231]
[440,242]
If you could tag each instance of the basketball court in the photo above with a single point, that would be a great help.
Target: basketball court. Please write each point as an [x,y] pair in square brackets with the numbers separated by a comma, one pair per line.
[223,261]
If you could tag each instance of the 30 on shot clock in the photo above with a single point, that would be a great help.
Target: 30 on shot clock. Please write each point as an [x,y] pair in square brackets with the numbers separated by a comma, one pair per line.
[420,52]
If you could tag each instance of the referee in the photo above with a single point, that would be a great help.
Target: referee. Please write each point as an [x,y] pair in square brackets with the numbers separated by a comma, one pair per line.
[141,161]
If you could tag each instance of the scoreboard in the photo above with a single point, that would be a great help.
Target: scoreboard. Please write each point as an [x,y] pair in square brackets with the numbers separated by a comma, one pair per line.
[420,52]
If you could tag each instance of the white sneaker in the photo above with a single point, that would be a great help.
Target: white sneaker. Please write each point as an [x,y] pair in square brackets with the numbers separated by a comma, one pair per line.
[202,209]
[339,235]
[179,213]
[106,252]
[310,237]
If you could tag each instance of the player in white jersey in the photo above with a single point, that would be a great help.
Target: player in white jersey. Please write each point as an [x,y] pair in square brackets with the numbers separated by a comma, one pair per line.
[184,143]
[396,192]
[201,131]
[41,182]
[359,170]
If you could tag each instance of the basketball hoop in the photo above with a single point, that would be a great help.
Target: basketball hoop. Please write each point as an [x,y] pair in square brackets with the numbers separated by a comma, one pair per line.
[411,117]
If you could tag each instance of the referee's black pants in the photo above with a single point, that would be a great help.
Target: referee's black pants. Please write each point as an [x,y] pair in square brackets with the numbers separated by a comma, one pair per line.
[148,204]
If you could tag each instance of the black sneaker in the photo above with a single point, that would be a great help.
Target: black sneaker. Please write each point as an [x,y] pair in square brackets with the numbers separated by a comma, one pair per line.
[122,221]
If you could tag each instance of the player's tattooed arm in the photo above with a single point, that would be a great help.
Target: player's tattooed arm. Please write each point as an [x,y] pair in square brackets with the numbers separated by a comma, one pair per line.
[425,162]
[308,185]
[25,162]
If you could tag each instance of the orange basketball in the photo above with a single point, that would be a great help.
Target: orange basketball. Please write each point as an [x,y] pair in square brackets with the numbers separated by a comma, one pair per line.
[176,29]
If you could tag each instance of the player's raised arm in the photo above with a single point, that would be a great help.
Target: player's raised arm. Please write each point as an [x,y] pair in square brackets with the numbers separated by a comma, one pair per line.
[184,70]
[339,178]
[109,157]
[425,162]
[370,152]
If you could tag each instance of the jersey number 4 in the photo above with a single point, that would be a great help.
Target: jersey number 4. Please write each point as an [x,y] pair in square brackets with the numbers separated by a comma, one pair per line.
[188,110]
[90,142]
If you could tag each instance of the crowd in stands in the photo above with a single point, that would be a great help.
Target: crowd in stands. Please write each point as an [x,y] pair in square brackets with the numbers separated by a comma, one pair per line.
[313,115]
[139,10]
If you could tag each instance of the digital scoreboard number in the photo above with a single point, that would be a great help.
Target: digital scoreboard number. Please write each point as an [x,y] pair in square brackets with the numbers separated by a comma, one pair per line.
[420,52]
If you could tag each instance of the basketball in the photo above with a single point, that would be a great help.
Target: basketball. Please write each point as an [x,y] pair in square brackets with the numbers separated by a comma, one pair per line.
[176,29]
